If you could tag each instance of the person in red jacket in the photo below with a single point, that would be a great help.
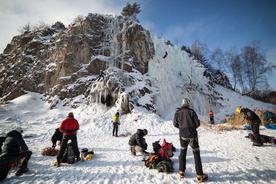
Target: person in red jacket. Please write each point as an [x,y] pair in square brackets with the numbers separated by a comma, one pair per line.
[211,114]
[69,127]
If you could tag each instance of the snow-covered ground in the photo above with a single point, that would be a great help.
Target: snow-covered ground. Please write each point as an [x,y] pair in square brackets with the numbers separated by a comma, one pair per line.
[227,157]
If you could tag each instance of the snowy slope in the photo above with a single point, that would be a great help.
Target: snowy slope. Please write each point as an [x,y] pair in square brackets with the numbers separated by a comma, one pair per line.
[227,157]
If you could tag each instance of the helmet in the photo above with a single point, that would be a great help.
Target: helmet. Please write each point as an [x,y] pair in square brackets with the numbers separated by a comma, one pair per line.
[117,113]
[238,110]
[145,132]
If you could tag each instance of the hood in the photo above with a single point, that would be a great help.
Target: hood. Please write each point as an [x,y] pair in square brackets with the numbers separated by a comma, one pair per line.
[13,133]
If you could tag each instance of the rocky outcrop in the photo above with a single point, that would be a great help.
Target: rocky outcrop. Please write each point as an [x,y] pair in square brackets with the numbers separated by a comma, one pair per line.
[64,62]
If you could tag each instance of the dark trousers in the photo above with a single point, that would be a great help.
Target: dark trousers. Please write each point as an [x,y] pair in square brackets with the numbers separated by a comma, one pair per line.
[115,129]
[212,119]
[256,131]
[193,142]
[6,161]
[64,143]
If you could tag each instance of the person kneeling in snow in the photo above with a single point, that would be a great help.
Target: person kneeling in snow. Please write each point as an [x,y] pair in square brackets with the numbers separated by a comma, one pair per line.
[138,143]
[57,136]
[14,149]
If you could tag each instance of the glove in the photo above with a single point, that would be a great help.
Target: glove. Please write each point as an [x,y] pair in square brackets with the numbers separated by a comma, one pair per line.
[249,122]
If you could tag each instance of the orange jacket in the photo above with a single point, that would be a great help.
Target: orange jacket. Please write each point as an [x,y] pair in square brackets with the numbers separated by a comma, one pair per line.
[211,113]
[69,125]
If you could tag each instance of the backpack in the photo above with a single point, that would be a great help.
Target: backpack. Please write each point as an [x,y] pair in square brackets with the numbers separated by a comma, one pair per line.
[156,146]
[152,161]
[69,156]
[165,166]
[49,151]
[166,150]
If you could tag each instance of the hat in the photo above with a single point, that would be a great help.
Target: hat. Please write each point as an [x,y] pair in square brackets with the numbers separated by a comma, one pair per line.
[145,131]
[71,114]
[238,110]
[186,102]
[19,129]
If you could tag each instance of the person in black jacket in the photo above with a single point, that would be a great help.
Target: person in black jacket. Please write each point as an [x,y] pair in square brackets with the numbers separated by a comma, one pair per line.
[138,143]
[186,120]
[14,149]
[254,121]
[57,136]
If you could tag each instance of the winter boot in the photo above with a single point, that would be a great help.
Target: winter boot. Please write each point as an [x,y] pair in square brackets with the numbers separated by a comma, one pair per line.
[21,171]
[132,150]
[181,174]
[57,164]
[202,178]
[257,144]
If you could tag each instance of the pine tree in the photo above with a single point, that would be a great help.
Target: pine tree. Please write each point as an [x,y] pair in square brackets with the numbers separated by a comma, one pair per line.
[131,10]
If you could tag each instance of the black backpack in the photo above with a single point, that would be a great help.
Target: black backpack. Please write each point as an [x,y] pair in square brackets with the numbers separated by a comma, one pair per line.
[69,156]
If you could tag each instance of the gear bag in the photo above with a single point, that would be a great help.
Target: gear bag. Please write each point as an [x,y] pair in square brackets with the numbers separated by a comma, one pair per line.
[69,155]
[166,150]
[49,151]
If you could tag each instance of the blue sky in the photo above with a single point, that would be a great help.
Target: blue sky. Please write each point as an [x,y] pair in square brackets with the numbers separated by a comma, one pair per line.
[217,23]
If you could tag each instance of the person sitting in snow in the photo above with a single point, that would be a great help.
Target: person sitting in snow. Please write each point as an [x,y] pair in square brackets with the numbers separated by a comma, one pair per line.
[101,75]
[14,149]
[138,143]
[69,127]
[57,136]
[186,120]
[254,122]
[211,114]
[116,123]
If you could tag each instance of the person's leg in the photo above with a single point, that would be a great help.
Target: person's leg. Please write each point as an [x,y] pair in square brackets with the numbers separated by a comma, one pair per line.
[62,148]
[183,154]
[113,132]
[198,165]
[26,155]
[256,131]
[75,146]
[116,130]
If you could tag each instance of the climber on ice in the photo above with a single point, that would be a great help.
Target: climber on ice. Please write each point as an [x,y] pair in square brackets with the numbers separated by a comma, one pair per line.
[101,75]
[165,54]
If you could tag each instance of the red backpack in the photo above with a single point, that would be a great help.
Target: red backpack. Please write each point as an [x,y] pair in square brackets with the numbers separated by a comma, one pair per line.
[166,150]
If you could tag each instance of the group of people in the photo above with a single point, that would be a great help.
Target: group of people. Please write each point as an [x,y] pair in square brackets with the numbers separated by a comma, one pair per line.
[14,148]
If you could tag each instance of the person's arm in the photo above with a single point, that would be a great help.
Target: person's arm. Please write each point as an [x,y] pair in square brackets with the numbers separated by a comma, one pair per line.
[22,144]
[175,120]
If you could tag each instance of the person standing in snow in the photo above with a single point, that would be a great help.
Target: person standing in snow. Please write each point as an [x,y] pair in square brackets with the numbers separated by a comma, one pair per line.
[57,136]
[186,120]
[138,143]
[14,149]
[116,123]
[68,127]
[211,114]
[254,121]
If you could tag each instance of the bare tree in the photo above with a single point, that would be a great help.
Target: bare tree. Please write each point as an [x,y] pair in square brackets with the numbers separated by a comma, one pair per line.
[231,61]
[255,66]
[218,58]
[26,27]
[200,52]
[40,25]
